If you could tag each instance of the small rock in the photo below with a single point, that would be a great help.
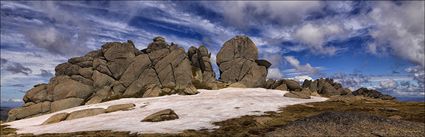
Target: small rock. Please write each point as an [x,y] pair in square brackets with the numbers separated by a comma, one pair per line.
[262,120]
[85,113]
[56,118]
[389,109]
[162,115]
[395,117]
[119,107]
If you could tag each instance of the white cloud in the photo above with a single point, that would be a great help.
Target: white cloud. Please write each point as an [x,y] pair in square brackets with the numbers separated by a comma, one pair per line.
[399,29]
[274,73]
[243,13]
[301,78]
[389,84]
[418,73]
[316,35]
[302,68]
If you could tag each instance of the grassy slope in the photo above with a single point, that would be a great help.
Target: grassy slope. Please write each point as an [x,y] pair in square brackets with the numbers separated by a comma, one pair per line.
[261,125]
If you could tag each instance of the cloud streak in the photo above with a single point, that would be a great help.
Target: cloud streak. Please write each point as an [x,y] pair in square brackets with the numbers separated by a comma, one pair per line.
[295,63]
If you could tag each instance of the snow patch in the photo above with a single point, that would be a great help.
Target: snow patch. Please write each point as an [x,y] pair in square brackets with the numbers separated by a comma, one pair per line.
[194,111]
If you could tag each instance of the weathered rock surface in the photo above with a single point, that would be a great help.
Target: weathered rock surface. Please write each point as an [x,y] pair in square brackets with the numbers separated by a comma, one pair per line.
[65,103]
[201,62]
[237,63]
[162,115]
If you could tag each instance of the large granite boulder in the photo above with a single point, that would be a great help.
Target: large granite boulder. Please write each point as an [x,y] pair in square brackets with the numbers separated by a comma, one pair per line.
[237,63]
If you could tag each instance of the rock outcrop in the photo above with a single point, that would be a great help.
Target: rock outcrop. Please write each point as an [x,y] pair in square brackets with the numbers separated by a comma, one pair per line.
[115,71]
[237,61]
[120,70]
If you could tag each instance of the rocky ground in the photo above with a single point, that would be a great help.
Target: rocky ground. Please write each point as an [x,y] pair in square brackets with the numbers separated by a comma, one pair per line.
[340,116]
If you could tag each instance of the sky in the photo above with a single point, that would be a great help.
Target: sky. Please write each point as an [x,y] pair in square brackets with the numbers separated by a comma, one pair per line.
[373,44]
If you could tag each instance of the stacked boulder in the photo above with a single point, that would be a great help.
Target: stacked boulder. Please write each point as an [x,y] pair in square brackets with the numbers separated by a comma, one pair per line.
[201,64]
[115,71]
[238,63]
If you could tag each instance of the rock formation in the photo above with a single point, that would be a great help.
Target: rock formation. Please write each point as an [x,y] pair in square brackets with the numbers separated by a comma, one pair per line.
[115,71]
[237,61]
[120,70]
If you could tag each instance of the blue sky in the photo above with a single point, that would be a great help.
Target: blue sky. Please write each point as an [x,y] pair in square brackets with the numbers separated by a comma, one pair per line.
[378,45]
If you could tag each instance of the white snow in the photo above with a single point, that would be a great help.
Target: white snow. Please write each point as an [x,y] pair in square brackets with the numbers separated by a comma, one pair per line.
[194,111]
